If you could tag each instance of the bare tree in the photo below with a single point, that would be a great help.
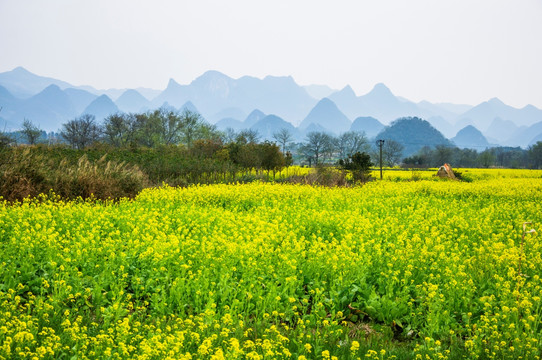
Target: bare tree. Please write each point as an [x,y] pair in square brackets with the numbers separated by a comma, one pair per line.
[81,132]
[229,135]
[316,144]
[352,142]
[248,136]
[283,138]
[30,131]
[392,151]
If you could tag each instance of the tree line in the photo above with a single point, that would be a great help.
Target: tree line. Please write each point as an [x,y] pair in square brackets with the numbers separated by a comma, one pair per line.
[507,157]
[167,127]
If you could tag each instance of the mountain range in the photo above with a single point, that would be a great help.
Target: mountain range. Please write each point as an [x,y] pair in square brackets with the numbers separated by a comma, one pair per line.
[280,101]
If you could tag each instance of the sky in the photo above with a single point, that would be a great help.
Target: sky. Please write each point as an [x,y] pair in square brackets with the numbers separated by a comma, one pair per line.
[458,51]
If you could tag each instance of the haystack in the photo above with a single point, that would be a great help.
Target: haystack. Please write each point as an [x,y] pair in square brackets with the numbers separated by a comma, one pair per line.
[446,171]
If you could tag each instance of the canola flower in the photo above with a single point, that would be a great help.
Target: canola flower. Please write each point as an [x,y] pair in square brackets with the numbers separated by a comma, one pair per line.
[265,271]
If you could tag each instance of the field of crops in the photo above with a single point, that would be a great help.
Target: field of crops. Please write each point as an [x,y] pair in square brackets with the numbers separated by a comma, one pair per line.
[393,269]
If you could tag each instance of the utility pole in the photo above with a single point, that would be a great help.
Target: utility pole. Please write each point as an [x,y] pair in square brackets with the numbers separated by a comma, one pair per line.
[380,143]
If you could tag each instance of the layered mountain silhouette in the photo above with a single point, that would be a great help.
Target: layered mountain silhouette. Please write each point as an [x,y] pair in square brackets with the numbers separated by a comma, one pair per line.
[50,102]
[230,123]
[319,91]
[369,125]
[45,109]
[79,98]
[501,130]
[272,124]
[470,137]
[252,118]
[231,112]
[483,114]
[24,84]
[101,107]
[188,106]
[214,91]
[444,126]
[328,116]
[379,103]
[132,101]
[525,136]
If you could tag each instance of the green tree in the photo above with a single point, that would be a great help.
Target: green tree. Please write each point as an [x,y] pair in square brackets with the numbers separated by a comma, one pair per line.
[359,164]
[441,155]
[271,158]
[194,127]
[486,158]
[535,155]
[119,129]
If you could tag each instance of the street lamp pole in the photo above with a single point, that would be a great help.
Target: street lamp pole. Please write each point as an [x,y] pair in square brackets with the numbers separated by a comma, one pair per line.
[380,143]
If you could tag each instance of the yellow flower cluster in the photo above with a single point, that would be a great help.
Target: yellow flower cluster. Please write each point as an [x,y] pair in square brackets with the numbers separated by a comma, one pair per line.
[267,271]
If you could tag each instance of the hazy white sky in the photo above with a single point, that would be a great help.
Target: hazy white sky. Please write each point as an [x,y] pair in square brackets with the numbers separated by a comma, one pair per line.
[459,51]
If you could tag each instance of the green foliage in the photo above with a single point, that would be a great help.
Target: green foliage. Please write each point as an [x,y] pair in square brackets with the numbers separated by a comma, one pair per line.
[30,171]
[498,156]
[535,155]
[413,133]
[359,164]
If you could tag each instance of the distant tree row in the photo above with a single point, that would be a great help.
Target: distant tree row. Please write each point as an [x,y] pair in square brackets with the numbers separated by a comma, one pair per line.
[159,127]
[508,157]
[166,126]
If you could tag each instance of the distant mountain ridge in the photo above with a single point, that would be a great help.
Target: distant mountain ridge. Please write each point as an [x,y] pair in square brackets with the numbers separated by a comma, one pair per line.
[49,102]
[327,115]
[101,107]
[132,101]
[369,125]
[214,91]
[470,137]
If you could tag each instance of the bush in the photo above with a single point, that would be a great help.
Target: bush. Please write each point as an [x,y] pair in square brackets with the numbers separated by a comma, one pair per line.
[324,175]
[25,173]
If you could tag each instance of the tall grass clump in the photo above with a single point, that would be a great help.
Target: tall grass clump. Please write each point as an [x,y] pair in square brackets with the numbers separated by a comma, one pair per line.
[25,173]
[101,179]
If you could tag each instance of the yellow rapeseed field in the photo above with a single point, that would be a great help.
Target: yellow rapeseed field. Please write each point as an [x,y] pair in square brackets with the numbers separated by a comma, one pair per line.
[393,269]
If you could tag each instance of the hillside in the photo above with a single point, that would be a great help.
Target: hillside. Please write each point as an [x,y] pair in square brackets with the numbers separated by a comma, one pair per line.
[369,125]
[413,133]
[102,107]
[471,138]
[271,124]
[328,116]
